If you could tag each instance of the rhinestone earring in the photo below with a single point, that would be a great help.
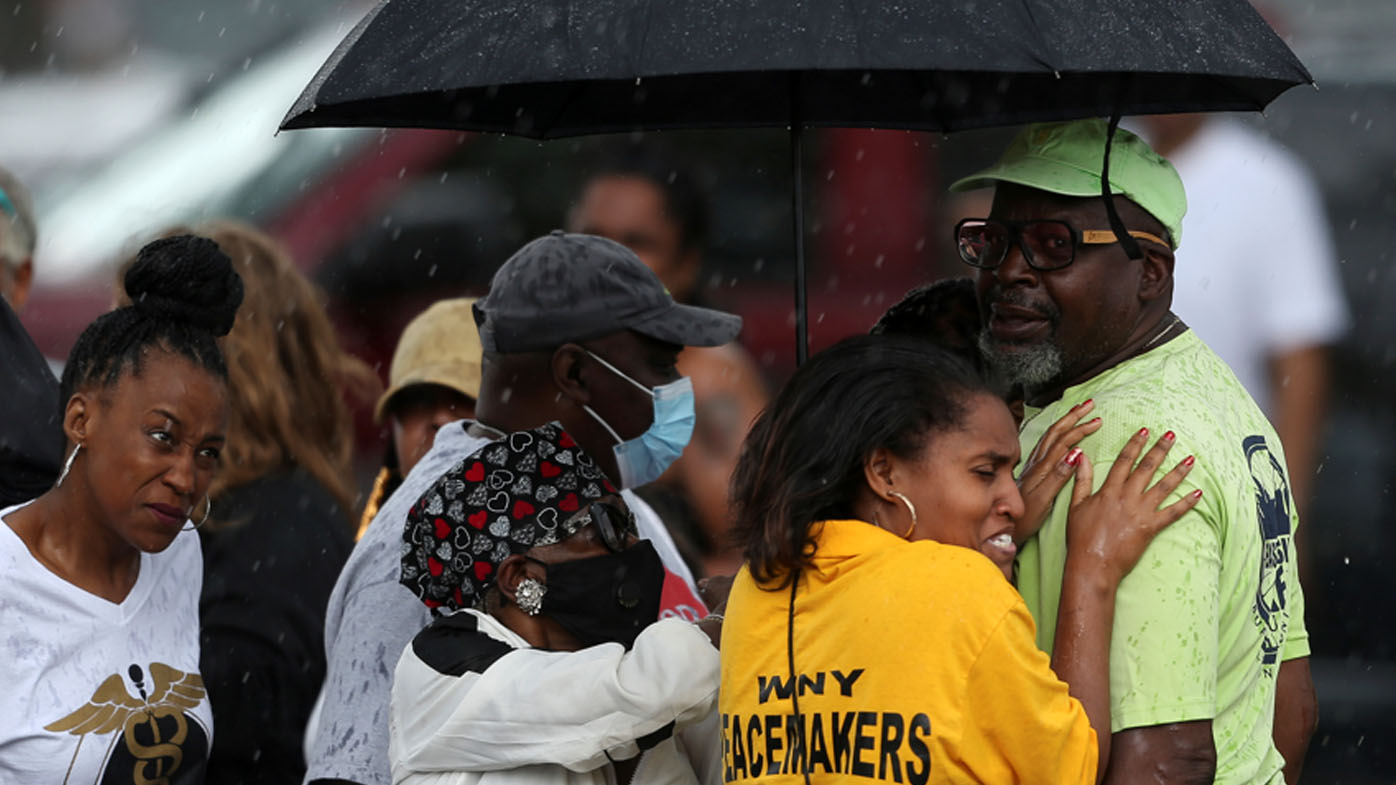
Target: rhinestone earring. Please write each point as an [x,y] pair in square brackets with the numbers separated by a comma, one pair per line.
[528,595]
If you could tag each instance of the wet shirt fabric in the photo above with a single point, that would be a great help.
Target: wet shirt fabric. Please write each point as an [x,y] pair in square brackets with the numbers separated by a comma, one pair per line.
[372,616]
[913,663]
[473,704]
[1204,620]
[101,692]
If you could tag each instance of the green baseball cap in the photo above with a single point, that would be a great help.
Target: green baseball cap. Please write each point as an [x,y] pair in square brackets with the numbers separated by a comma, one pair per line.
[1065,158]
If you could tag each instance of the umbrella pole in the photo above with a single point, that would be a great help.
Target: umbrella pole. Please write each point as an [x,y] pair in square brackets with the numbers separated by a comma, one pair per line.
[798,205]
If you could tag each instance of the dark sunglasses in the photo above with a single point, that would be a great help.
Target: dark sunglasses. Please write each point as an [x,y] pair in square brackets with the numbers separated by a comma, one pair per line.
[615,525]
[1048,244]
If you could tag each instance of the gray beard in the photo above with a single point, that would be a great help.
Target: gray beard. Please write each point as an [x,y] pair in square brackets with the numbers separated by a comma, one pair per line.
[1031,365]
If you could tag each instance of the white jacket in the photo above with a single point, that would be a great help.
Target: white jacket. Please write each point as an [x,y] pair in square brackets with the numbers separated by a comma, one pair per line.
[472,703]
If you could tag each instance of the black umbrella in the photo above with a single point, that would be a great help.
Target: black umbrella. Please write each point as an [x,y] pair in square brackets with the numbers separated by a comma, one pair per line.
[556,68]
[31,438]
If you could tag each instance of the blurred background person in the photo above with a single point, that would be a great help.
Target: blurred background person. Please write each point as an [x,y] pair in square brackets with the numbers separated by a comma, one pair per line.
[102,572]
[434,379]
[1257,277]
[18,236]
[281,525]
[643,200]
[31,438]
[31,435]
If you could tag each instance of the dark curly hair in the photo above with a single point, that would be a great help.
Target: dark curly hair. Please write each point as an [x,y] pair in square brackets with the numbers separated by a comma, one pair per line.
[184,294]
[803,460]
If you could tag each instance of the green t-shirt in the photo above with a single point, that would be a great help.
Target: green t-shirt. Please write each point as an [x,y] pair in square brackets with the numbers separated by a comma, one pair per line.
[1204,620]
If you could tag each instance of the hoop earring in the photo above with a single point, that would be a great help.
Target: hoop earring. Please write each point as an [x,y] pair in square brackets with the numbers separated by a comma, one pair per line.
[528,595]
[911,508]
[208,508]
[67,465]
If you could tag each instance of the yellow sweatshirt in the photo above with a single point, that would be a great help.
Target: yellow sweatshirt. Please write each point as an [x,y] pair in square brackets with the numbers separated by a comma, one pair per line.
[914,663]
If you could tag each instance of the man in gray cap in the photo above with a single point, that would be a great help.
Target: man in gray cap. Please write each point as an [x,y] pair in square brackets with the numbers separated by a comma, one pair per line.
[575,330]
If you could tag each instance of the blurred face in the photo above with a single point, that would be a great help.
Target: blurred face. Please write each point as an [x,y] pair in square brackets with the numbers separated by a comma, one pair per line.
[1042,328]
[631,211]
[418,412]
[963,487]
[150,447]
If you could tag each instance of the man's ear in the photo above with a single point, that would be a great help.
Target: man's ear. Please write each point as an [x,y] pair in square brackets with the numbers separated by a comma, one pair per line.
[568,363]
[1156,271]
[22,279]
[78,417]
[513,570]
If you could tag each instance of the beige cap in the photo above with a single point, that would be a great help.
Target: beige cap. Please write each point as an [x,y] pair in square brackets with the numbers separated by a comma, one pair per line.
[440,346]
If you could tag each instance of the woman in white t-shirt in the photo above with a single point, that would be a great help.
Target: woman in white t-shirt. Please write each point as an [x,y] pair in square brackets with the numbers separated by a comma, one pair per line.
[100,651]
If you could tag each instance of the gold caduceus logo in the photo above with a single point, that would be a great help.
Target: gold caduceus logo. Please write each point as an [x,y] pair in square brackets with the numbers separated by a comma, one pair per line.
[156,746]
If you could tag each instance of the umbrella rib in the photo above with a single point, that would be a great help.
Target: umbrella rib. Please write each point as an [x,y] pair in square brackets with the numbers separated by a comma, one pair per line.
[1042,42]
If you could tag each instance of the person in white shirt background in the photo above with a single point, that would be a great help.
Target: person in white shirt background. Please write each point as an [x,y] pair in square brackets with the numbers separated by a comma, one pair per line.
[1257,278]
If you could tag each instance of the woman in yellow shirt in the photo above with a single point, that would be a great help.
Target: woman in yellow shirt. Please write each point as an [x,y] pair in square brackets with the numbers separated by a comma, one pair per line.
[867,634]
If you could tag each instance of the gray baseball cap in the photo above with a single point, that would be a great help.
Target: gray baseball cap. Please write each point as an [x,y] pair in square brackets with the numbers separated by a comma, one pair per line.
[574,287]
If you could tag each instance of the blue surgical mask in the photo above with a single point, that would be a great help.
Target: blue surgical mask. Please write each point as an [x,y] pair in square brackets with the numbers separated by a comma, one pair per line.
[644,458]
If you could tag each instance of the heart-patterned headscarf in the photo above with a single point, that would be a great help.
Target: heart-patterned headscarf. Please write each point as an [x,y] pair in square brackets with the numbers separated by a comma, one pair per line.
[509,496]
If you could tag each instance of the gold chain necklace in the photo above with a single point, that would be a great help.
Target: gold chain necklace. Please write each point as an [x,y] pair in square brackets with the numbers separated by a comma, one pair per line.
[1161,333]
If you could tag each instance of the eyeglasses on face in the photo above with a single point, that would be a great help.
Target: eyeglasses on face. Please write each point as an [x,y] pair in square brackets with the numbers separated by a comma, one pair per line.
[1047,244]
[616,526]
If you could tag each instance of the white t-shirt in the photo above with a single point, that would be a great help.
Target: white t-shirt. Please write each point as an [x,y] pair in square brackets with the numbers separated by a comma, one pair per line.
[372,616]
[96,692]
[1255,273]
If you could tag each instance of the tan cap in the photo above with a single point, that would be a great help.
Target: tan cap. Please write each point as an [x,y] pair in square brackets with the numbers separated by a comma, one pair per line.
[440,346]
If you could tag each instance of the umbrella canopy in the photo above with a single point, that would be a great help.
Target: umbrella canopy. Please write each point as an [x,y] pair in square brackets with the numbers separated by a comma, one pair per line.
[555,68]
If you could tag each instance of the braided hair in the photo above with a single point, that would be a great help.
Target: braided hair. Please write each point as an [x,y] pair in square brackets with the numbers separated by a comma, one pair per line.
[184,294]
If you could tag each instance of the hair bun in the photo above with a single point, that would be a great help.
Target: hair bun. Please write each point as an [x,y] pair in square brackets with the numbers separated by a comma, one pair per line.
[188,279]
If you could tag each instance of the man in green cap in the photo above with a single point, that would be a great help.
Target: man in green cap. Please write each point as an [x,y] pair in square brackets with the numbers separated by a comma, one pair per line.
[1209,677]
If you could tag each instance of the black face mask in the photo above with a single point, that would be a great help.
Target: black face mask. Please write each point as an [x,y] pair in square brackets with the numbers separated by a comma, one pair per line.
[607,598]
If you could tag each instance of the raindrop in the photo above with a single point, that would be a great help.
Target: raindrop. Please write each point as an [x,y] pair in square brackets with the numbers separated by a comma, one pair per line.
[59,33]
[1346,560]
[431,272]
[246,63]
[201,16]
[401,172]
[921,243]
[506,395]
[444,175]
[877,263]
[221,31]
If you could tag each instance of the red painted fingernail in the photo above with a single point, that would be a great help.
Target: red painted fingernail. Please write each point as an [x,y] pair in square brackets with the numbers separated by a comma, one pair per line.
[1188,461]
[1097,419]
[1170,436]
[1197,494]
[1143,432]
[1073,457]
[1088,402]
